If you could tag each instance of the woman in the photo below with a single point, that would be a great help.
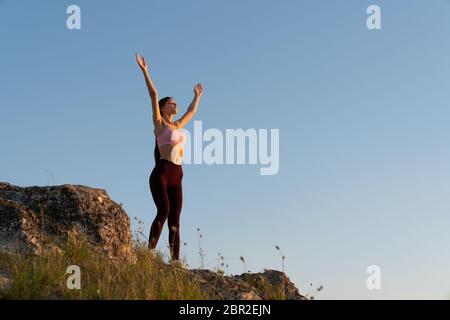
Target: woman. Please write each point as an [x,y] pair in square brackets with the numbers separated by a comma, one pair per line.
[166,177]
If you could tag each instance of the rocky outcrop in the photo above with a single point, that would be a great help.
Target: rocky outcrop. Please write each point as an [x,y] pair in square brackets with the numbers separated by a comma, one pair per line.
[272,283]
[32,217]
[224,287]
[267,285]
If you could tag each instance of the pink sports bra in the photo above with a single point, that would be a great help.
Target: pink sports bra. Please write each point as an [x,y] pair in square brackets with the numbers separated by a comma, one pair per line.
[171,136]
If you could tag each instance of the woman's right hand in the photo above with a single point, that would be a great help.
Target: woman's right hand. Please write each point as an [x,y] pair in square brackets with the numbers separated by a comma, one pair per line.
[141,62]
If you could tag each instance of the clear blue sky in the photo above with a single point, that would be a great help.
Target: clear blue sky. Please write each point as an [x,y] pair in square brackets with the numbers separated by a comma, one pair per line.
[363,115]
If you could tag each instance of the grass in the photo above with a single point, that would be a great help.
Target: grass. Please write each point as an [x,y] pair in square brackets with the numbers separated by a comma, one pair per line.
[147,277]
[44,276]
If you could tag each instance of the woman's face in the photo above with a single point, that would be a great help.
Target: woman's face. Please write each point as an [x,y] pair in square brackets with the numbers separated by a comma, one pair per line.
[171,107]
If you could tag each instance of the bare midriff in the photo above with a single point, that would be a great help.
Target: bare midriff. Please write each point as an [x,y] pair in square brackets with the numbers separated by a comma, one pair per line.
[172,152]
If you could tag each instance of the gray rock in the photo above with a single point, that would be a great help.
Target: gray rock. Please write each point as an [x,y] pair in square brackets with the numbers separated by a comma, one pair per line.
[275,279]
[30,216]
[225,287]
[247,286]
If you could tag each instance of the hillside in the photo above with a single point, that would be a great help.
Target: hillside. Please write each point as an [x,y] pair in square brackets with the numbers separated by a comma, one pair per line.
[45,230]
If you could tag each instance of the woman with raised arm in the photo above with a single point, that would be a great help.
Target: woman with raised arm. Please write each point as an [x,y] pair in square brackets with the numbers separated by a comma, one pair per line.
[166,177]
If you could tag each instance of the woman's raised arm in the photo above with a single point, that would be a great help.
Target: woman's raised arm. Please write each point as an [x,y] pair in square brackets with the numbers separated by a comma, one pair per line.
[151,89]
[192,109]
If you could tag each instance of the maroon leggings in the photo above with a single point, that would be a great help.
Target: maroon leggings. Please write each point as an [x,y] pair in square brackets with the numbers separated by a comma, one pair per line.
[165,185]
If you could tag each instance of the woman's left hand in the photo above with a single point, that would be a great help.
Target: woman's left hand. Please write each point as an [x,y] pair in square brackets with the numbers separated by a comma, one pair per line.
[198,90]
